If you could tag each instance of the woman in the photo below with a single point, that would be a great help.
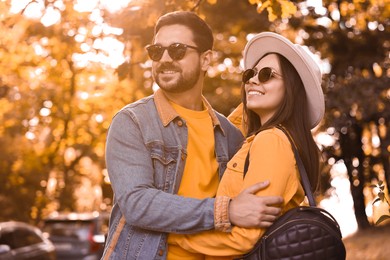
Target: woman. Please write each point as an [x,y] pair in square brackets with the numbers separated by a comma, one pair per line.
[281,87]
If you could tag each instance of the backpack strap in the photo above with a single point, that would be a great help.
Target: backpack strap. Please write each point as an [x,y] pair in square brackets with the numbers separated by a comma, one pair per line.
[301,167]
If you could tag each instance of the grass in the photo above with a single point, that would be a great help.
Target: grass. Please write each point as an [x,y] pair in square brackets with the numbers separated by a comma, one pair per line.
[369,244]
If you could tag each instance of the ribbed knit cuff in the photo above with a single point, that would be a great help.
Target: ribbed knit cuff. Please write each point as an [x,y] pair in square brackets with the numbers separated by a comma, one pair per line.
[221,214]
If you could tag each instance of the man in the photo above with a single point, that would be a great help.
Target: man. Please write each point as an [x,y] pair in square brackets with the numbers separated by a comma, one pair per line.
[167,152]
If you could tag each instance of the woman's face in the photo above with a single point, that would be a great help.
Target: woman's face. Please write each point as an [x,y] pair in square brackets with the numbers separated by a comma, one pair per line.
[264,98]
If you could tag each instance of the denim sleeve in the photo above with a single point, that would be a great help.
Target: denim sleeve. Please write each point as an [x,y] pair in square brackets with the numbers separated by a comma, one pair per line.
[131,172]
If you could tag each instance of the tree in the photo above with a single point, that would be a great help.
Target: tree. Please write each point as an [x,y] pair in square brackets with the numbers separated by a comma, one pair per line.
[354,42]
[57,101]
[58,92]
[337,31]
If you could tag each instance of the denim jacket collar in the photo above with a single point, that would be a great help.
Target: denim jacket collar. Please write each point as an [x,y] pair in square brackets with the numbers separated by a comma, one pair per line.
[167,113]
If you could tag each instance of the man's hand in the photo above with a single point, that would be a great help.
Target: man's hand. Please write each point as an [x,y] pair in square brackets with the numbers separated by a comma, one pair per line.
[250,211]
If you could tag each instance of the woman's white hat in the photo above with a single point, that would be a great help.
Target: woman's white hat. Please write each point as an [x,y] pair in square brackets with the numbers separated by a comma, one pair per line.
[300,58]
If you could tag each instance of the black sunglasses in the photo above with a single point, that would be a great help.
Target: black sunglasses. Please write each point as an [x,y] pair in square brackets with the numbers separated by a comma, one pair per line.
[264,75]
[176,51]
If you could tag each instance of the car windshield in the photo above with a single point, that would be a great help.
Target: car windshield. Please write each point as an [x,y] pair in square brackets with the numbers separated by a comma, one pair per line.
[74,229]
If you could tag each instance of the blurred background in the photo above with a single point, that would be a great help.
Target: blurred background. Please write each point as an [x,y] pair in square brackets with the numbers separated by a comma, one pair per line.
[67,66]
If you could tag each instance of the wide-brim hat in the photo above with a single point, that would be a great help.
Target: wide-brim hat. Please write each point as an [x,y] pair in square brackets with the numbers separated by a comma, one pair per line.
[300,58]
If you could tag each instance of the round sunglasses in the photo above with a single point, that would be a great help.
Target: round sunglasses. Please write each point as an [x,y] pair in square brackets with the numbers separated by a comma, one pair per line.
[264,75]
[176,51]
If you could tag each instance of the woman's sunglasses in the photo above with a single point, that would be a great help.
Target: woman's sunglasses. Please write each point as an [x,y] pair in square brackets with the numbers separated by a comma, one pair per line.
[176,51]
[264,75]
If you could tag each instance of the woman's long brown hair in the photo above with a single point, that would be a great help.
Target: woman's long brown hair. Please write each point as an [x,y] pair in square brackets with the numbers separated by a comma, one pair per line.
[293,115]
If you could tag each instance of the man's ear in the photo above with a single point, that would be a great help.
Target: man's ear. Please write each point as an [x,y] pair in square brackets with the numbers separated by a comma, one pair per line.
[205,60]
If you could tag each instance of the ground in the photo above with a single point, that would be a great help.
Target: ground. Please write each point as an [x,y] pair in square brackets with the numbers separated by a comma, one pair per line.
[369,244]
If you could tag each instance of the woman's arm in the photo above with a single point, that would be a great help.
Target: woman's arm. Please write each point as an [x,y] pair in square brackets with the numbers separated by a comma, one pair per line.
[271,158]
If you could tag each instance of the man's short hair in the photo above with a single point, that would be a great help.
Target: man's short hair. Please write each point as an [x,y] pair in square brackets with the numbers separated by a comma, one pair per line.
[202,33]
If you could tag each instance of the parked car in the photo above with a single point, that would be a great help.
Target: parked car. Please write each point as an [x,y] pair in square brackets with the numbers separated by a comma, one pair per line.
[76,235]
[20,240]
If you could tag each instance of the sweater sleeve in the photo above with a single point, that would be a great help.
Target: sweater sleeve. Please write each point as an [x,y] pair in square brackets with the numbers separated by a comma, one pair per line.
[236,117]
[271,158]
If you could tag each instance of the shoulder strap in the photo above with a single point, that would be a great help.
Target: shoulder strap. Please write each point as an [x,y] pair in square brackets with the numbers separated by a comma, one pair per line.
[304,179]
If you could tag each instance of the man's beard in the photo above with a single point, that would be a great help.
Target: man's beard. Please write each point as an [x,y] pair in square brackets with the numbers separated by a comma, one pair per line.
[182,84]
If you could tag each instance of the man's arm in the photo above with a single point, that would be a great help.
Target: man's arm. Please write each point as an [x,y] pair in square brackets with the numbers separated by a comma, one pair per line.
[248,210]
[131,173]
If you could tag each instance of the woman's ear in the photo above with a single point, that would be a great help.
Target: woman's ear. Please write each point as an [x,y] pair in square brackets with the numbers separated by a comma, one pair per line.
[205,60]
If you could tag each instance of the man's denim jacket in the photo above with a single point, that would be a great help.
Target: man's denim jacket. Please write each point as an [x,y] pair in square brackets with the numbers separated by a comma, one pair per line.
[145,155]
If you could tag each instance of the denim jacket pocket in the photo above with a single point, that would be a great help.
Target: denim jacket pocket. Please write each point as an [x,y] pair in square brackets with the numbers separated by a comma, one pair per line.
[164,163]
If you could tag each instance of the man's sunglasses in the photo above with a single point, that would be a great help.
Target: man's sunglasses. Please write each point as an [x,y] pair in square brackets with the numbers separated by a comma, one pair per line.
[264,75]
[176,51]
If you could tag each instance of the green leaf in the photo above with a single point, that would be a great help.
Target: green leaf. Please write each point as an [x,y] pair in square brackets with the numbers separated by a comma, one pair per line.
[381,219]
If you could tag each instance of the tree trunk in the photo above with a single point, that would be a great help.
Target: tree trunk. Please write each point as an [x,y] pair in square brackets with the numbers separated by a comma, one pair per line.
[351,146]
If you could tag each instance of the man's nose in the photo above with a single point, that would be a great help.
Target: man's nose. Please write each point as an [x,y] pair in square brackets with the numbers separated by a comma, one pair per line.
[166,57]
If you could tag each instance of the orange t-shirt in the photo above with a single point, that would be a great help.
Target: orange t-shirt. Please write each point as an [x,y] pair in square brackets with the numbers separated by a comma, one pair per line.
[200,177]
